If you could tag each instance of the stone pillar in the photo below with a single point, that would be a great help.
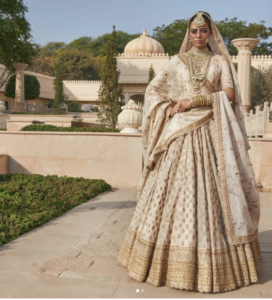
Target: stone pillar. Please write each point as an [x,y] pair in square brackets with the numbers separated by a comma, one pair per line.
[20,83]
[126,97]
[245,46]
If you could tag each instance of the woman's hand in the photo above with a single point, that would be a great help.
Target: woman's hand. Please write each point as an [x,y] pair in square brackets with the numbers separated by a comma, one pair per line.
[181,106]
[230,94]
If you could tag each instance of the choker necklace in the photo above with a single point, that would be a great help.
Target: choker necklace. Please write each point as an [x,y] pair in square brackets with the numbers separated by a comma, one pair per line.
[199,62]
[201,51]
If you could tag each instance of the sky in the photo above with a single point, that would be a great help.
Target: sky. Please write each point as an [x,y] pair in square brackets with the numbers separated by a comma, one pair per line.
[67,20]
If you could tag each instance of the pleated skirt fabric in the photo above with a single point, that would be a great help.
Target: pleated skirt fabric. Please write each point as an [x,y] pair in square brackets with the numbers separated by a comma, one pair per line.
[176,236]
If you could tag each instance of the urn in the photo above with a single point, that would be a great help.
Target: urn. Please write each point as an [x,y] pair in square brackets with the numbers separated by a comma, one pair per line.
[130,119]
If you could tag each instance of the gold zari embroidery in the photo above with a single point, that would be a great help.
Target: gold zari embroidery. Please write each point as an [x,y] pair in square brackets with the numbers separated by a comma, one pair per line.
[189,268]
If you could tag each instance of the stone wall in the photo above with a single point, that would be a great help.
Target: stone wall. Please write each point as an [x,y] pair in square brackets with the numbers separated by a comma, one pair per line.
[15,122]
[114,157]
[3,164]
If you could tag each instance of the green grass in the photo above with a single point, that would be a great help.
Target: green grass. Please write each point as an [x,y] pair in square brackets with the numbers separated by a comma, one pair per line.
[3,129]
[29,201]
[67,129]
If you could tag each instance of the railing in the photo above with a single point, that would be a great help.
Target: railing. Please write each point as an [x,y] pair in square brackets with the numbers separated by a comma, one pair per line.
[258,122]
[82,81]
[34,108]
[143,55]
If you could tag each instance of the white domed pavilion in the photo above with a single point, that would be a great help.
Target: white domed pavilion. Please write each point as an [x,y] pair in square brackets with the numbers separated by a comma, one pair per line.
[144,45]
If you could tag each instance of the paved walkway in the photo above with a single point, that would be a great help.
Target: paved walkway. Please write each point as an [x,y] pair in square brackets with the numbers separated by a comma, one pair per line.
[74,256]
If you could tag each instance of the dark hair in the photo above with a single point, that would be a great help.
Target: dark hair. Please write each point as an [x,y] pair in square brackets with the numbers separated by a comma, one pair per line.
[207,20]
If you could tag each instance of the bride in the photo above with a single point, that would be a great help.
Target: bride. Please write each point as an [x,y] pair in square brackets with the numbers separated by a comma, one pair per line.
[195,226]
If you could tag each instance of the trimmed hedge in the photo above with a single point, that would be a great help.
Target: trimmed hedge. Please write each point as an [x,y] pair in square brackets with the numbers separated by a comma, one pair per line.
[67,129]
[28,201]
[32,87]
[28,113]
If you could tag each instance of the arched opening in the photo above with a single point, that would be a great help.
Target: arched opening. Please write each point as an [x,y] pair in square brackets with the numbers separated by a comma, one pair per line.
[7,105]
[138,98]
[122,97]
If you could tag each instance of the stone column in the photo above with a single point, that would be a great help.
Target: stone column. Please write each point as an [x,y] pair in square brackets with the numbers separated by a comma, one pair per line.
[126,97]
[245,46]
[20,83]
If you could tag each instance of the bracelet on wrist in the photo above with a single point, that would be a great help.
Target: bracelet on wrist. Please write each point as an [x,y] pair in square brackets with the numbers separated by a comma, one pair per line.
[201,100]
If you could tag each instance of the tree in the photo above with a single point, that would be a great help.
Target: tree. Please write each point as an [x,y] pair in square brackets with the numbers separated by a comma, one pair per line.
[261,85]
[14,36]
[98,45]
[32,87]
[43,65]
[50,48]
[151,73]
[171,36]
[75,64]
[109,93]
[80,43]
[58,104]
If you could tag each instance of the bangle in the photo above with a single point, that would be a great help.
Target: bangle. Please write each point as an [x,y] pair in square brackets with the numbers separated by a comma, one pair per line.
[201,100]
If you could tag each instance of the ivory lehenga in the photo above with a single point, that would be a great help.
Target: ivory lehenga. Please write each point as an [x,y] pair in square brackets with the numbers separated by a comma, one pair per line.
[195,226]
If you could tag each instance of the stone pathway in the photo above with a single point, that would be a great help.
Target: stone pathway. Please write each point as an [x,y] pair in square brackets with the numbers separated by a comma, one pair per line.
[74,256]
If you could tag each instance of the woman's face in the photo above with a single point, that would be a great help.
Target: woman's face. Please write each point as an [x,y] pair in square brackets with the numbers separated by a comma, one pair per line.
[199,35]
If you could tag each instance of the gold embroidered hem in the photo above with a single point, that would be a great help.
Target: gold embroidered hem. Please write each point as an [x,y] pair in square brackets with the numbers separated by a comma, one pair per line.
[188,268]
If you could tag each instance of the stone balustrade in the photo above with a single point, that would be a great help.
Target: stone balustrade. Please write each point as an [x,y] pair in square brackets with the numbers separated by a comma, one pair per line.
[258,122]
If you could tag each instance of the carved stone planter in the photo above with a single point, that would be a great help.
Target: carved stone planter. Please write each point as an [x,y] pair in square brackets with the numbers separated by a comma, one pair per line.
[130,119]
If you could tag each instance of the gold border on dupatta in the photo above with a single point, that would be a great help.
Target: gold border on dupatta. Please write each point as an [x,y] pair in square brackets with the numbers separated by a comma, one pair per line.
[183,131]
[150,164]
[223,190]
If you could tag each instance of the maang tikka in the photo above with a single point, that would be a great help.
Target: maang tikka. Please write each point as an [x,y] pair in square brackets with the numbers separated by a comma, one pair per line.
[199,20]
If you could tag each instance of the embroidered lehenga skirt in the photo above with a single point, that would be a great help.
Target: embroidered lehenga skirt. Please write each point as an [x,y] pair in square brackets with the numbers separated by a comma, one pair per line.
[176,236]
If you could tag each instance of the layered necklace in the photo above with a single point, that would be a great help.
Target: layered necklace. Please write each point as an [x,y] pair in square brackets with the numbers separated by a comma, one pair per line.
[199,62]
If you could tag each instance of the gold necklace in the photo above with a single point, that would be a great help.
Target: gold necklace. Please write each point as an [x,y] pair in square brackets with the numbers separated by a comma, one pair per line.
[199,62]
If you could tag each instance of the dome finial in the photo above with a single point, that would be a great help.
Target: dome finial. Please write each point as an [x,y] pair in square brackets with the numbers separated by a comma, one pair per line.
[144,33]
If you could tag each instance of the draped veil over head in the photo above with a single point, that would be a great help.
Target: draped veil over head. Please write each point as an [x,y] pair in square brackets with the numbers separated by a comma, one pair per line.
[217,46]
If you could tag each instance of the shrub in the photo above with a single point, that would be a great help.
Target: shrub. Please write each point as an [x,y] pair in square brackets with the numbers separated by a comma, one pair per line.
[32,87]
[73,106]
[28,201]
[67,129]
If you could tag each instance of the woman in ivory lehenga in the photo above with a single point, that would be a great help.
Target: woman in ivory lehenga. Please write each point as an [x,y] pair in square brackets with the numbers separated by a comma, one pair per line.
[195,226]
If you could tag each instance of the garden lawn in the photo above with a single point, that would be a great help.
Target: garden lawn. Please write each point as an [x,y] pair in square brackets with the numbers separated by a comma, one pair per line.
[28,201]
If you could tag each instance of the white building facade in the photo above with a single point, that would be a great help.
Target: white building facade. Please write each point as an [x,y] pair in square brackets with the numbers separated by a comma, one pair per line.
[139,54]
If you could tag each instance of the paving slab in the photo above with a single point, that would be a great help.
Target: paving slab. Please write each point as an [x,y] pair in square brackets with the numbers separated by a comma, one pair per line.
[58,287]
[75,256]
